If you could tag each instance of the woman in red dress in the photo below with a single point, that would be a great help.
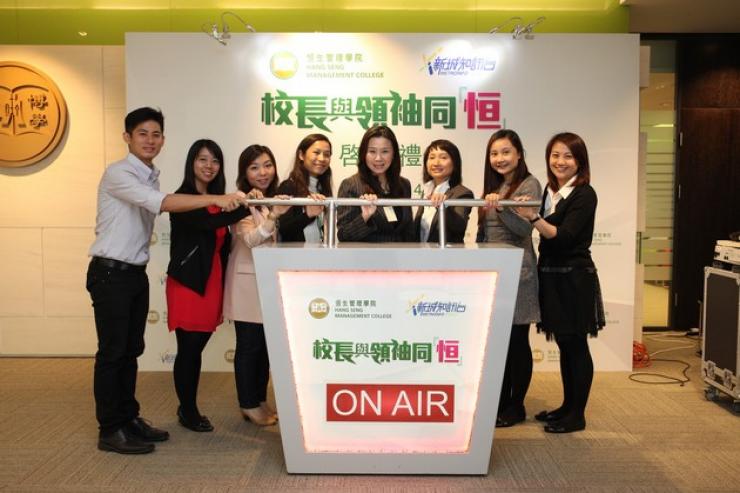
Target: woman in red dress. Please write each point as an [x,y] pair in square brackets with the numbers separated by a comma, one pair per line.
[199,250]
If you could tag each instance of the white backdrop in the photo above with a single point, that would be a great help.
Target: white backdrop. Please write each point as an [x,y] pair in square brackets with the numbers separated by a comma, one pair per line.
[273,89]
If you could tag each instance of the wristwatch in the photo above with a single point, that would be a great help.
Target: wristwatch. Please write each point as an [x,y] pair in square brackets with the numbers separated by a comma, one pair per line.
[535,219]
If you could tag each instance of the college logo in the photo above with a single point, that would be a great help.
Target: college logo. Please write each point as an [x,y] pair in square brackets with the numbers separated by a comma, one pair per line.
[318,308]
[538,355]
[229,355]
[390,402]
[283,65]
[33,115]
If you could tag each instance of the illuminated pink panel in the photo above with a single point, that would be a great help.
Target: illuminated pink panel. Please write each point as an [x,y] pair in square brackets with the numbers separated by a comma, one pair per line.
[381,333]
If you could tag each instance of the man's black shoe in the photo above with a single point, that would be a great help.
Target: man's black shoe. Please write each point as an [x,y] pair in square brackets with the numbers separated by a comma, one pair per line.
[121,443]
[140,429]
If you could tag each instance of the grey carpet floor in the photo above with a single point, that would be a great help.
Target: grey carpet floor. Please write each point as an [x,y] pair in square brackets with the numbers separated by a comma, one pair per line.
[639,438]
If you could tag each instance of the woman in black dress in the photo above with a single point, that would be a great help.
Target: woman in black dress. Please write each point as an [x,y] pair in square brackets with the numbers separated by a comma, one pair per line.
[570,298]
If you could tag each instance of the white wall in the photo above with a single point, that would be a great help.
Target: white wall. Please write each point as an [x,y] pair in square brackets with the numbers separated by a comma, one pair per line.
[47,217]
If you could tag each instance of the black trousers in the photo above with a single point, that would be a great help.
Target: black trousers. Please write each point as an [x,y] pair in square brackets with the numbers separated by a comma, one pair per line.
[251,365]
[517,372]
[576,372]
[120,300]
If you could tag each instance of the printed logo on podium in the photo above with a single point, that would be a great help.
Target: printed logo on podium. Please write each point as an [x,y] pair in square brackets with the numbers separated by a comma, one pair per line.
[318,308]
[33,115]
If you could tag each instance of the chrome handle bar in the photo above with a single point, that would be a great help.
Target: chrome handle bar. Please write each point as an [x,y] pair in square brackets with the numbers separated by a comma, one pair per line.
[333,202]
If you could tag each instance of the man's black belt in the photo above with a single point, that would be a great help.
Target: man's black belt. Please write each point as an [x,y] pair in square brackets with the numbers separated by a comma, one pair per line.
[110,263]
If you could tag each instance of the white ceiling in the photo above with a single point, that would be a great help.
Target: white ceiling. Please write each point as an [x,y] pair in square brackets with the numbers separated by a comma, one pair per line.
[684,16]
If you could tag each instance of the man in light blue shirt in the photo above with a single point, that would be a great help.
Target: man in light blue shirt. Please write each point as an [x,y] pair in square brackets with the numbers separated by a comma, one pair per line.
[128,202]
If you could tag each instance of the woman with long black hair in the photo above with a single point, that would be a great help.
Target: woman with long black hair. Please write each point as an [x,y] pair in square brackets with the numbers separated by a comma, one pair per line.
[378,176]
[310,177]
[199,250]
[506,177]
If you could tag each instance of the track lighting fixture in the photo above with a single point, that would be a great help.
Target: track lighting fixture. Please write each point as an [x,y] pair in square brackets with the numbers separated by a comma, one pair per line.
[520,30]
[223,34]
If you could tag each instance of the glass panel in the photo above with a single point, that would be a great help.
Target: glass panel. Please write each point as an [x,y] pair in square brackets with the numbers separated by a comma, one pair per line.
[657,121]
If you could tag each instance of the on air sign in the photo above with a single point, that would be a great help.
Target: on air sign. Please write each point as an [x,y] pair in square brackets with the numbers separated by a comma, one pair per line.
[390,402]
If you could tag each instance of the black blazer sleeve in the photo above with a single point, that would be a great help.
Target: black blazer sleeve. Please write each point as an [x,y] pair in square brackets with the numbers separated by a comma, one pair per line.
[578,217]
[350,225]
[293,222]
[456,218]
[201,219]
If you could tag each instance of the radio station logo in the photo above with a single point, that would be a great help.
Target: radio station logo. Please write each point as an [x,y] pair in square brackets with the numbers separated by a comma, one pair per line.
[442,64]
[33,115]
[283,65]
[390,402]
[421,308]
[167,357]
[318,308]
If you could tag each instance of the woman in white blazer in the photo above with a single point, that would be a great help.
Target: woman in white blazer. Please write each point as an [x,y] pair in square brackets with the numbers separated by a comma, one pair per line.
[257,177]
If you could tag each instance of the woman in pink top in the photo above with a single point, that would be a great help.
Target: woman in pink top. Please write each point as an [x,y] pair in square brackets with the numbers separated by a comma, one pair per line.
[257,176]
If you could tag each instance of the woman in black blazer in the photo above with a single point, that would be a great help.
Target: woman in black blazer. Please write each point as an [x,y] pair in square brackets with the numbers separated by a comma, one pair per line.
[378,176]
[442,180]
[199,249]
[570,298]
[310,177]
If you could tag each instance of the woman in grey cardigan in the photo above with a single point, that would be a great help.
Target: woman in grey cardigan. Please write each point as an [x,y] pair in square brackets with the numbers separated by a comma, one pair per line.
[506,177]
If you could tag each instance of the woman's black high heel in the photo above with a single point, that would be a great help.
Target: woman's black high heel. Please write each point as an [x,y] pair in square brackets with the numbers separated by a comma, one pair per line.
[550,416]
[566,425]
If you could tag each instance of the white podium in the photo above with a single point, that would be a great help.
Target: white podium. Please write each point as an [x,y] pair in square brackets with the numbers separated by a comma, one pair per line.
[387,358]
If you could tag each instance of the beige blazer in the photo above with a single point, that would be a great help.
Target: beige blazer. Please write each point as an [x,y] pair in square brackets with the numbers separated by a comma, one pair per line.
[241,301]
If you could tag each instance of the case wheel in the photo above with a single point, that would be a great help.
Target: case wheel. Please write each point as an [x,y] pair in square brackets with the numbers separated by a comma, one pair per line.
[711,394]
